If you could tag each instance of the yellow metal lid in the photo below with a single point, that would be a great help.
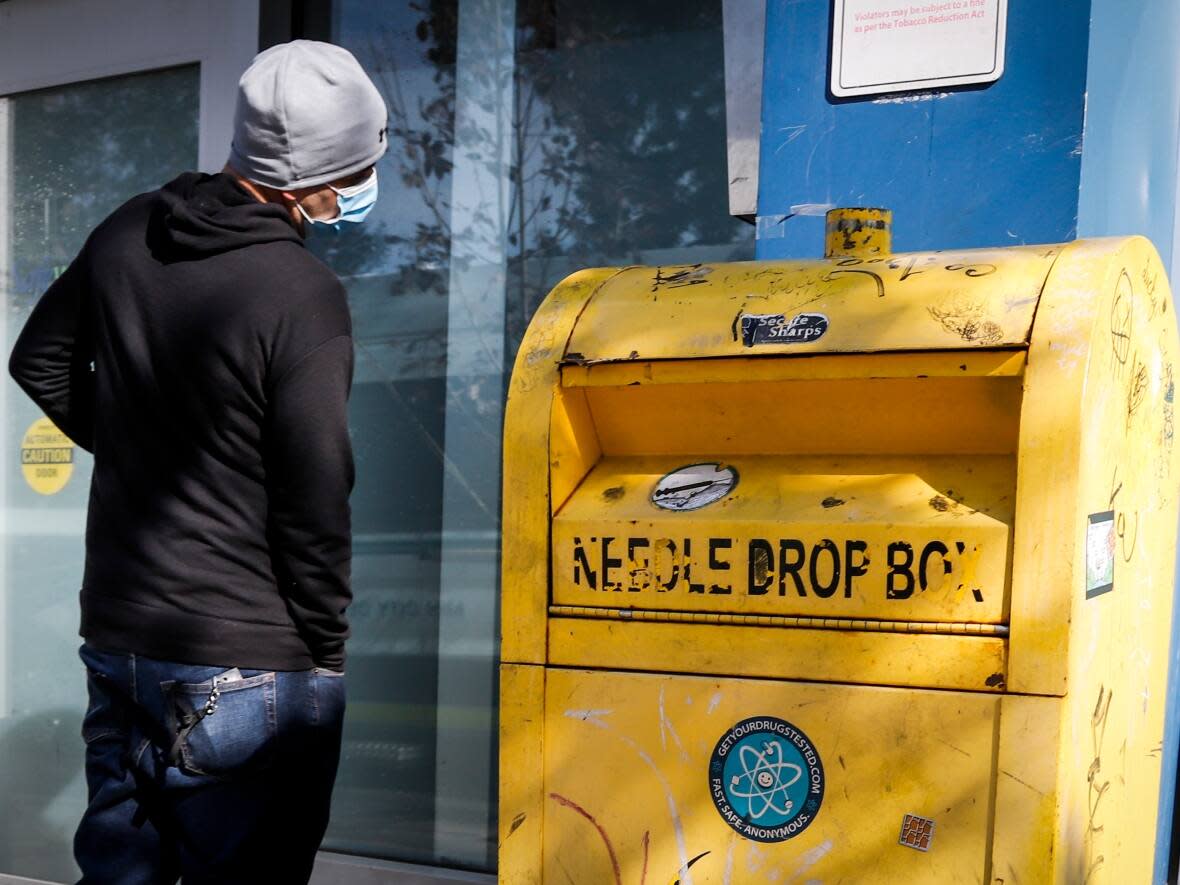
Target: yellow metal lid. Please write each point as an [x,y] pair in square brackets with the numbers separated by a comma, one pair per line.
[919,301]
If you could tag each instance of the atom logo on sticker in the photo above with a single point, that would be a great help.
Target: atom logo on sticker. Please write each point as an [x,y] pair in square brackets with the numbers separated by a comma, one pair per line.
[766,779]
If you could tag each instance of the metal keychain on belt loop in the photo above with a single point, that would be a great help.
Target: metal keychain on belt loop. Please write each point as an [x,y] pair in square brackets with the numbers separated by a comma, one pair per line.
[211,701]
[190,720]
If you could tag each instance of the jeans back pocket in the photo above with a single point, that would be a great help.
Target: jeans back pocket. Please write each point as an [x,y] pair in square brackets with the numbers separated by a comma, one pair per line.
[238,732]
[105,713]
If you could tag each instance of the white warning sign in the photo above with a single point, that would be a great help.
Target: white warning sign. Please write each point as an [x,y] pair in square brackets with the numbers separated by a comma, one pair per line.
[881,46]
[1100,545]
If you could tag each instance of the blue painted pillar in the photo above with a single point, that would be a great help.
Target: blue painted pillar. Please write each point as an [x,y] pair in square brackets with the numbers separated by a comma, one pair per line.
[1128,183]
[1080,137]
[991,166]
[1129,186]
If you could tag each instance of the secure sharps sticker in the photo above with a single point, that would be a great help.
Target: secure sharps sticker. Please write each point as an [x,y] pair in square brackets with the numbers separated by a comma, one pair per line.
[766,779]
[1100,542]
[775,328]
[694,486]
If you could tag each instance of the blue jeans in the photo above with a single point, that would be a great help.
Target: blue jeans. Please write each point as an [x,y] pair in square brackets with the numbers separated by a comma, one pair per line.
[225,787]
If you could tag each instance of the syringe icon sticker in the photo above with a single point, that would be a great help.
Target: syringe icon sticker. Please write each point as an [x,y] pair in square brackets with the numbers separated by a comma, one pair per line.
[694,486]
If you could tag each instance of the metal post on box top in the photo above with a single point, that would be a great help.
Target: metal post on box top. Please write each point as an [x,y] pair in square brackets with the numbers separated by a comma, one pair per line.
[858,233]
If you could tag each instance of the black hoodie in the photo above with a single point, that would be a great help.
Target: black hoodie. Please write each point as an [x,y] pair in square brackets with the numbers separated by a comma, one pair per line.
[205,357]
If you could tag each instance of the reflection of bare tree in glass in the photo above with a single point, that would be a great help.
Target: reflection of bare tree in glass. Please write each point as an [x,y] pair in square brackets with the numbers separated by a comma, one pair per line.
[444,248]
[618,143]
[426,136]
[618,127]
[545,175]
[632,122]
[450,229]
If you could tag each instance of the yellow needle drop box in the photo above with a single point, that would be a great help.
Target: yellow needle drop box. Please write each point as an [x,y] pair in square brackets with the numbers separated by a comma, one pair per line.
[845,570]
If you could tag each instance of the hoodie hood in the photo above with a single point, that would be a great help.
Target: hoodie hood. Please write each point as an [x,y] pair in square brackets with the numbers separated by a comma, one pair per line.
[197,215]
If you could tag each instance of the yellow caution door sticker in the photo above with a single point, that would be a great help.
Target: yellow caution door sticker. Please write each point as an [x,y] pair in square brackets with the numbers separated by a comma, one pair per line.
[46,457]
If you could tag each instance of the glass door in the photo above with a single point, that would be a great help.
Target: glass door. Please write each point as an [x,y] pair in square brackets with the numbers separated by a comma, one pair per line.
[527,140]
[68,156]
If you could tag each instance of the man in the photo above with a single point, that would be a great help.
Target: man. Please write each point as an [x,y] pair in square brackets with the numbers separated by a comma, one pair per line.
[205,357]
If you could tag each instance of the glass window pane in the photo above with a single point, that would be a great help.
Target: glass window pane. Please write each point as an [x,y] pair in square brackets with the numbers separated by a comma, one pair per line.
[68,156]
[620,112]
[529,138]
[396,267]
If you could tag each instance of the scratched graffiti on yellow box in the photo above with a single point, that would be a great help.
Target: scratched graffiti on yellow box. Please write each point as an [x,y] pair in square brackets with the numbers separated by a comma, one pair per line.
[855,569]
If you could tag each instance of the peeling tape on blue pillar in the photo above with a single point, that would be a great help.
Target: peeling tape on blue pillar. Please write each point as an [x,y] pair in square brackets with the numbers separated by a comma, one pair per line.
[991,166]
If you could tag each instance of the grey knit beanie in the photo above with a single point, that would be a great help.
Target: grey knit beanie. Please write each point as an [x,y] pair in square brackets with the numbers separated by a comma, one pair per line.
[307,114]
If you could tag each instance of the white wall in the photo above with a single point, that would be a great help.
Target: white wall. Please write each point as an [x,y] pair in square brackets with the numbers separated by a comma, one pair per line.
[54,42]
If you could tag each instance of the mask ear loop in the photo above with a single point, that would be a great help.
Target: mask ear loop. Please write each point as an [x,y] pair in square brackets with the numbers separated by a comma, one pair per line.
[353,189]
[311,220]
[350,191]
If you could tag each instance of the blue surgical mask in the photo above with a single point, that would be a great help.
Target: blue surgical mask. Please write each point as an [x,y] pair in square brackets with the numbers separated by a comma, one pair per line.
[353,203]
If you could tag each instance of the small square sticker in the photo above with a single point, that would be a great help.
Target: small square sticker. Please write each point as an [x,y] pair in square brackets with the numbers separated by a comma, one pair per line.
[1099,553]
[916,832]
